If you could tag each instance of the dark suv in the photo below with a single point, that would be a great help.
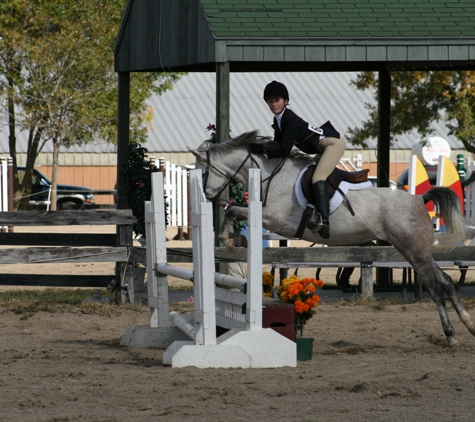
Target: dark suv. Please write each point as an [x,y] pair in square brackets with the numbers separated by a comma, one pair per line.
[68,196]
[402,181]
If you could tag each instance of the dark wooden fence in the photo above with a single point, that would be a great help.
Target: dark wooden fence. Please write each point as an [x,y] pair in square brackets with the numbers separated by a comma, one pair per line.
[67,247]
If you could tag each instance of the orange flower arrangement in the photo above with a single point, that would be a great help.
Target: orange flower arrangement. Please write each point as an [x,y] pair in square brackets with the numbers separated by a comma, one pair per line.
[301,292]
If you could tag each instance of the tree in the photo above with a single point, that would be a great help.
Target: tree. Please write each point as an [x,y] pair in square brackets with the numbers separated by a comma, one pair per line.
[13,21]
[419,98]
[63,79]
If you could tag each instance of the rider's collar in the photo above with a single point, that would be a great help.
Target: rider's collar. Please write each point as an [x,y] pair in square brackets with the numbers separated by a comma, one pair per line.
[278,117]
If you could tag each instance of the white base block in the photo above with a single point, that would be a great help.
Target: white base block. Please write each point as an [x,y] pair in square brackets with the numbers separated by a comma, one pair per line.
[142,336]
[236,349]
[185,353]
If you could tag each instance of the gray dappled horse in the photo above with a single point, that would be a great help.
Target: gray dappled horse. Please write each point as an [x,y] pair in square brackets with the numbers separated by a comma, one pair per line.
[380,214]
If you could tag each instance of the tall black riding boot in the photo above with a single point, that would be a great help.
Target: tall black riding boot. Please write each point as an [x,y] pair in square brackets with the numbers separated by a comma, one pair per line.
[322,206]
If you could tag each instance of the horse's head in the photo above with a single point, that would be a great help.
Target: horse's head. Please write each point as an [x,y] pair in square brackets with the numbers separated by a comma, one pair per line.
[213,178]
[219,163]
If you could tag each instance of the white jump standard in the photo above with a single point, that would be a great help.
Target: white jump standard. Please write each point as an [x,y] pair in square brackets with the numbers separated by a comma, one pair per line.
[193,337]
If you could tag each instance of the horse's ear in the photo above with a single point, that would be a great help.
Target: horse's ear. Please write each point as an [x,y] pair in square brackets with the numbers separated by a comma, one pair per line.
[195,153]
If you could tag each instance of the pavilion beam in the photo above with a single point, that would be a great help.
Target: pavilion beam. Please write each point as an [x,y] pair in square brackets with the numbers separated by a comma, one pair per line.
[384,127]
[384,275]
[122,269]
[222,101]
[222,130]
[222,127]
[123,128]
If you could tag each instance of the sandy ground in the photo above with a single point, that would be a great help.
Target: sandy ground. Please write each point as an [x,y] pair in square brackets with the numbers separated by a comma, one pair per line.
[378,365]
[370,363]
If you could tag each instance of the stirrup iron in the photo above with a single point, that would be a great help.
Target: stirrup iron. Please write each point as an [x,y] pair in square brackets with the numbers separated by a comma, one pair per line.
[318,223]
[313,224]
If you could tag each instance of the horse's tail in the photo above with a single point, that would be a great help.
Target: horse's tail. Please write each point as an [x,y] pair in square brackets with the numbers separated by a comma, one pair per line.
[448,207]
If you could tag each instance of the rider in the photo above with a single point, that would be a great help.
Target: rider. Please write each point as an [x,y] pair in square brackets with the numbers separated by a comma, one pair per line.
[290,130]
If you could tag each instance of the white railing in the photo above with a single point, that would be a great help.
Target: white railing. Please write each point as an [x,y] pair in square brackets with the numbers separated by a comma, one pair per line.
[176,186]
[352,164]
[4,200]
[6,186]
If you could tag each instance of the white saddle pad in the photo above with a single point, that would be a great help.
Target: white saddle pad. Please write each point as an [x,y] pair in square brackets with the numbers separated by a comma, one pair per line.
[337,199]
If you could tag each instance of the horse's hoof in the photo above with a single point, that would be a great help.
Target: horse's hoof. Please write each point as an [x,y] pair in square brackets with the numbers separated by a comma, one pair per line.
[454,344]
[344,285]
[471,328]
[351,289]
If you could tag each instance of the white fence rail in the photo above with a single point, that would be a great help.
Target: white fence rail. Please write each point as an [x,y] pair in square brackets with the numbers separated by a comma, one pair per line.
[4,183]
[6,186]
[352,164]
[176,189]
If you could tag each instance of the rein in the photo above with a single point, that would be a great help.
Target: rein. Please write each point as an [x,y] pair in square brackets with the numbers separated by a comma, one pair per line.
[276,170]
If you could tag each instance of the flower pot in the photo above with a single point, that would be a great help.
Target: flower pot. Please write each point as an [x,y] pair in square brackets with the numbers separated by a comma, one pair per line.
[304,348]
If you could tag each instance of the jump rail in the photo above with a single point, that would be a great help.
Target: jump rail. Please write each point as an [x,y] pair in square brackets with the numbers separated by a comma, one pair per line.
[235,304]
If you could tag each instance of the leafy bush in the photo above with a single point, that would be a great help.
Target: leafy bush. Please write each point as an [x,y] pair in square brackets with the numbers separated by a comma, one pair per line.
[137,182]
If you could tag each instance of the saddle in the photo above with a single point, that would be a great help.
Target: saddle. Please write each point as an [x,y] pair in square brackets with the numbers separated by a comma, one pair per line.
[333,181]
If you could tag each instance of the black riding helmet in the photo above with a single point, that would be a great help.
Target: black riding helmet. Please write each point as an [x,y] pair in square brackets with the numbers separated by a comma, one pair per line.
[276,89]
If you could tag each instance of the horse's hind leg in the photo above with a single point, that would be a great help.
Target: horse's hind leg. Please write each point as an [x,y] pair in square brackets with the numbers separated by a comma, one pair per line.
[454,297]
[413,237]
[438,286]
[433,278]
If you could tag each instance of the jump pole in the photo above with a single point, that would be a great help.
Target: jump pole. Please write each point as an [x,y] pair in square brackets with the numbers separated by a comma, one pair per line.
[251,346]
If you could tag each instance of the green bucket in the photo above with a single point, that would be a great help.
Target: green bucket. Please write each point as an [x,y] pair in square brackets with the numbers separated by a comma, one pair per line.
[304,348]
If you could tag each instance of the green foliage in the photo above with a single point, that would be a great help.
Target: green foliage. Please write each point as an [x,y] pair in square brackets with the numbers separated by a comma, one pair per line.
[57,75]
[237,192]
[419,98]
[137,181]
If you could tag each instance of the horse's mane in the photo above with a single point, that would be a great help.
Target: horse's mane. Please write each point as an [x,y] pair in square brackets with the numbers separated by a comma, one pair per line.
[242,141]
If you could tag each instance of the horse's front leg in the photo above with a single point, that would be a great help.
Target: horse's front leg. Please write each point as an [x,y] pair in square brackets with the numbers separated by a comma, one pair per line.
[226,234]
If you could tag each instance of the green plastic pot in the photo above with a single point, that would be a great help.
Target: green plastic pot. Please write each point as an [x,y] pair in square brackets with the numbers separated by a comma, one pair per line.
[304,348]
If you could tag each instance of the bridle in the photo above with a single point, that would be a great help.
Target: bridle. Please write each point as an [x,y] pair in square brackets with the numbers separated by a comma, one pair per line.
[228,179]
[249,156]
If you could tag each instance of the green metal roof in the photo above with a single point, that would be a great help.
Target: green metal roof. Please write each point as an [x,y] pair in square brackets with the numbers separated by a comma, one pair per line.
[299,35]
[341,18]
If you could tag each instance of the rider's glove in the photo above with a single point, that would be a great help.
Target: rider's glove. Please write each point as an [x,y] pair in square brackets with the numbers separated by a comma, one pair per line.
[257,148]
